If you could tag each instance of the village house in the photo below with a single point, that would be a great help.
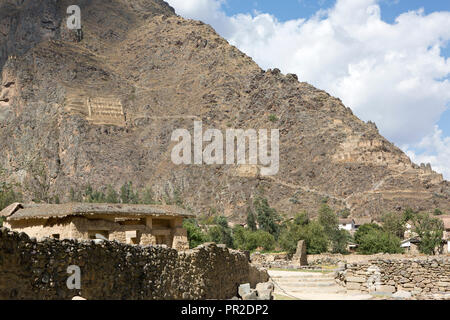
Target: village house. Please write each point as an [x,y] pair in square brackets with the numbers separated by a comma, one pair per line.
[446,237]
[127,223]
[347,224]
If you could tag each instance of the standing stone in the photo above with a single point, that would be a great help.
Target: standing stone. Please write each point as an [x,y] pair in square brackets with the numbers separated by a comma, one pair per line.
[300,255]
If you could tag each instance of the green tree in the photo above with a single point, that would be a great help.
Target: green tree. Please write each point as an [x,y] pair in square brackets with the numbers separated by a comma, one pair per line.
[246,239]
[221,232]
[251,220]
[148,196]
[376,240]
[430,231]
[330,223]
[194,233]
[394,224]
[365,229]
[127,194]
[312,232]
[339,240]
[111,195]
[266,216]
[315,238]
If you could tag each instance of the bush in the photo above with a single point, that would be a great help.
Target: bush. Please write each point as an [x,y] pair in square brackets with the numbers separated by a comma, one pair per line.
[273,118]
[312,232]
[195,235]
[221,232]
[378,241]
[365,229]
[246,239]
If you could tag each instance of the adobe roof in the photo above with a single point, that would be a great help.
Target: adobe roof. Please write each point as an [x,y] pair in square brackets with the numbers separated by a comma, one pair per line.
[18,211]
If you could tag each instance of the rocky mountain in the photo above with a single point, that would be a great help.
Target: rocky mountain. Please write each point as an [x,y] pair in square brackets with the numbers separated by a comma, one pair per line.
[102,111]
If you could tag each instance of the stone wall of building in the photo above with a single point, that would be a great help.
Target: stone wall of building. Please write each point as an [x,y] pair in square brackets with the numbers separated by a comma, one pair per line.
[111,270]
[419,276]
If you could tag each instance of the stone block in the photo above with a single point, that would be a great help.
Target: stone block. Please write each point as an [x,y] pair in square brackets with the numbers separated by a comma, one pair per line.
[402,295]
[244,289]
[252,295]
[300,254]
[353,286]
[356,279]
[386,288]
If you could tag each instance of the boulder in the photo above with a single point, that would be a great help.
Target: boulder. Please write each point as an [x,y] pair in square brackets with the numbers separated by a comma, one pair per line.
[300,255]
[265,290]
[244,289]
[402,295]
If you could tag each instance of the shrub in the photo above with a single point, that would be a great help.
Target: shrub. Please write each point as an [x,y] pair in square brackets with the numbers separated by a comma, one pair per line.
[273,118]
[312,232]
[195,235]
[365,229]
[378,241]
[246,239]
[221,232]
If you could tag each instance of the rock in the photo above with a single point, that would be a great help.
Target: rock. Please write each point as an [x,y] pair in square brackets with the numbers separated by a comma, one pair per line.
[244,289]
[300,255]
[356,279]
[265,294]
[252,295]
[385,288]
[265,290]
[402,295]
[265,286]
[78,298]
[353,286]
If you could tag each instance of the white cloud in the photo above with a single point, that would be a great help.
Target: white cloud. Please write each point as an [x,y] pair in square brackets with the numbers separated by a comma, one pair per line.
[388,73]
[435,150]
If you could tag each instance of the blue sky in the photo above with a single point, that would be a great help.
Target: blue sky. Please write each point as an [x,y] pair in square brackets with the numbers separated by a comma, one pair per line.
[294,9]
[385,59]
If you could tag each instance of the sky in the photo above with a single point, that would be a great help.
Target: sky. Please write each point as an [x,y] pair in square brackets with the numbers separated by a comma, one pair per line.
[388,60]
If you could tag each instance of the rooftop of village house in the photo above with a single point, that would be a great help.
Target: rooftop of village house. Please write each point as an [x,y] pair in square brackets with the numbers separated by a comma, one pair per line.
[20,211]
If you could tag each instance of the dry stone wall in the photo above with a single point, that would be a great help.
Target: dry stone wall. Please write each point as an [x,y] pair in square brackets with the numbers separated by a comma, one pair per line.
[110,270]
[419,276]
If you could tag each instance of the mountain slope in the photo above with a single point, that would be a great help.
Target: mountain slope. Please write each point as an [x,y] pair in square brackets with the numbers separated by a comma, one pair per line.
[154,72]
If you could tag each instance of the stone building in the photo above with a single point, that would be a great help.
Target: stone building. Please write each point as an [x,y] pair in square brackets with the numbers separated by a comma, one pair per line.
[127,223]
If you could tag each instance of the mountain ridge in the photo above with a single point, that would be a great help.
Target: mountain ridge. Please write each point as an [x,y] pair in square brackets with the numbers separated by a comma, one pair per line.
[157,72]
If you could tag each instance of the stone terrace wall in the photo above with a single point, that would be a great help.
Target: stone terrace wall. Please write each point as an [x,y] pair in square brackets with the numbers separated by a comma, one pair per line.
[420,276]
[111,270]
